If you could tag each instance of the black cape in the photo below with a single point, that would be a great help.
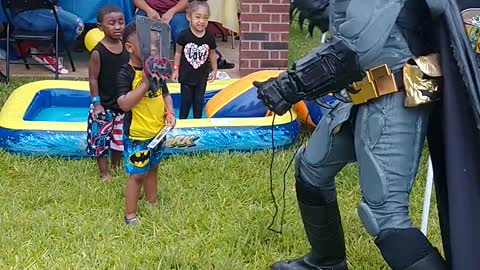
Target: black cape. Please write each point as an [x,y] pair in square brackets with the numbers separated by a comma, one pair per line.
[454,138]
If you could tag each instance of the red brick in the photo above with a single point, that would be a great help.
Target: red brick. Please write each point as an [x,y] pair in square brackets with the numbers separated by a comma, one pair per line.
[255,9]
[274,36]
[274,63]
[254,63]
[244,64]
[254,36]
[281,2]
[254,55]
[275,8]
[254,18]
[285,18]
[244,45]
[275,45]
[274,18]
[245,8]
[245,72]
[283,54]
[244,27]
[270,27]
[284,37]
[254,46]
[274,54]
[255,27]
[255,1]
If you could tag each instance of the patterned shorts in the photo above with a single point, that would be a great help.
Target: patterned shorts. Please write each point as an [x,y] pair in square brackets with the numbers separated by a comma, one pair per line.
[104,134]
[139,158]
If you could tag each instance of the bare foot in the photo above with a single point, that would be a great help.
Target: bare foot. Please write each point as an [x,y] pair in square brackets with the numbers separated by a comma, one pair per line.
[107,177]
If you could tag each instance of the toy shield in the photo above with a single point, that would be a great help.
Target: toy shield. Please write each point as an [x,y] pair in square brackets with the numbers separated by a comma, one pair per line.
[154,41]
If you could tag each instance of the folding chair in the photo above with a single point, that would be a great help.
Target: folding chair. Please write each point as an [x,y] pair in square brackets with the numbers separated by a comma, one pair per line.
[12,8]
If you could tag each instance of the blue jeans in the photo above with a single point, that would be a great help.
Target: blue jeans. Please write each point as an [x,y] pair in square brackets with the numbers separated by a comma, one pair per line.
[178,23]
[386,139]
[43,20]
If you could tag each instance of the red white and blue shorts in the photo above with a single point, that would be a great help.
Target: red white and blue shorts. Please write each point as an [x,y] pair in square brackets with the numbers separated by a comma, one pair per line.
[104,134]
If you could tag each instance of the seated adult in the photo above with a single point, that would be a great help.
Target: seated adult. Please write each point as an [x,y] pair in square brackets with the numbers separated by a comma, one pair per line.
[43,20]
[173,13]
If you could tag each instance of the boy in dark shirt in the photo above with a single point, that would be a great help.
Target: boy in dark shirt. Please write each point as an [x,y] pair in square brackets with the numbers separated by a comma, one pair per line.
[105,118]
[146,114]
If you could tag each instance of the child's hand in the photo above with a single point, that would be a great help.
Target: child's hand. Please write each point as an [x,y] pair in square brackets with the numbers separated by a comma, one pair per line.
[212,76]
[170,120]
[97,110]
[175,76]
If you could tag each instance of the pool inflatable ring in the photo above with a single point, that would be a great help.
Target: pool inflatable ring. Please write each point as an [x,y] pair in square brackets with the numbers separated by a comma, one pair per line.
[49,118]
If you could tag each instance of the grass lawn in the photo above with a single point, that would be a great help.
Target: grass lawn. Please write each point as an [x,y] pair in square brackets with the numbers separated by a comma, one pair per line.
[213,211]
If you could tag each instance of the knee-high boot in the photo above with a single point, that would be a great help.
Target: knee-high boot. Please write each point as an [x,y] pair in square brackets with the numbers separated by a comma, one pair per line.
[324,232]
[409,249]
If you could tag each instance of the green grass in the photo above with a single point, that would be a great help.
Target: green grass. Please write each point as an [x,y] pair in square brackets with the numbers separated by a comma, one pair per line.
[213,212]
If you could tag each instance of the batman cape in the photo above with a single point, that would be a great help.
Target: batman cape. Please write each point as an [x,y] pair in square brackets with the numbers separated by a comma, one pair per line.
[454,137]
[454,129]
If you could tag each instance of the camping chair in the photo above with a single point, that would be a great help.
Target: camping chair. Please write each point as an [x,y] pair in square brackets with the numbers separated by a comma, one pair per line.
[13,7]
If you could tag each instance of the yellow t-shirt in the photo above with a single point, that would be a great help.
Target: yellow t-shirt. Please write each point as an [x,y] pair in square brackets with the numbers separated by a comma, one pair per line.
[146,118]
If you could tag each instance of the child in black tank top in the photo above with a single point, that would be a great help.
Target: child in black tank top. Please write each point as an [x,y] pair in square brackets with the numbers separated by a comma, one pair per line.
[105,119]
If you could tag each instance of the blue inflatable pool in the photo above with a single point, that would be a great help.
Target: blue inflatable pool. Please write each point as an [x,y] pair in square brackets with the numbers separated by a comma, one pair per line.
[49,118]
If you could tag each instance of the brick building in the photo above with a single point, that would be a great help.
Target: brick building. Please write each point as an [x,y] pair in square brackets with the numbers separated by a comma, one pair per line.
[264,27]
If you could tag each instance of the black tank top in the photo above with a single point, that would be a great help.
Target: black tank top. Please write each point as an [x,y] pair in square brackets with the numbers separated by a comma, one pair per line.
[110,64]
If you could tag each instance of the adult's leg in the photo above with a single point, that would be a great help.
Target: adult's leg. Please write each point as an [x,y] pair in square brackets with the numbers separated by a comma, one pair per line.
[327,152]
[198,96]
[388,142]
[72,25]
[178,23]
[186,91]
[43,20]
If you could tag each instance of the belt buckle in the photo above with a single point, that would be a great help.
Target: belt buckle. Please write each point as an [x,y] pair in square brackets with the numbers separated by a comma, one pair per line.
[379,81]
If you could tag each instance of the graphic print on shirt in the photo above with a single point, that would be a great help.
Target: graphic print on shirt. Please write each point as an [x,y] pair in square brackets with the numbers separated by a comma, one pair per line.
[196,55]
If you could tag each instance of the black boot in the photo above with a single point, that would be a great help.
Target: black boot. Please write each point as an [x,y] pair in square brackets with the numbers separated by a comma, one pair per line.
[325,234]
[409,249]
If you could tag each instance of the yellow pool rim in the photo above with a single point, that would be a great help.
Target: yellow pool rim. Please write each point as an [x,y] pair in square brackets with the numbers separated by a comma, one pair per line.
[11,115]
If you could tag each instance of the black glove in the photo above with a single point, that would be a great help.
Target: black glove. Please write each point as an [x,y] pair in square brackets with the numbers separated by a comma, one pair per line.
[326,69]
[271,95]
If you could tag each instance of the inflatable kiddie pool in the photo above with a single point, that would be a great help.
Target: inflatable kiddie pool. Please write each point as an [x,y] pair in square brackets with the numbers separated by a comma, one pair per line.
[49,118]
[310,112]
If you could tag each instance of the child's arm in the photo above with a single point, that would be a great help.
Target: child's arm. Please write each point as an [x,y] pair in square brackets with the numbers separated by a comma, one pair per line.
[176,63]
[93,72]
[128,99]
[170,115]
[213,63]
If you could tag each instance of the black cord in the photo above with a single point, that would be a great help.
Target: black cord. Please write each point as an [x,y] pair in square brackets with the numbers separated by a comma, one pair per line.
[284,177]
[271,179]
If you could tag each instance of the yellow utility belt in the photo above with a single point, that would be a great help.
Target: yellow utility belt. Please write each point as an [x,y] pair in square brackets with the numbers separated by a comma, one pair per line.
[420,78]
[378,82]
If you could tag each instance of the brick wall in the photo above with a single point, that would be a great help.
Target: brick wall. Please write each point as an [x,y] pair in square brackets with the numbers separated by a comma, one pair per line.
[264,27]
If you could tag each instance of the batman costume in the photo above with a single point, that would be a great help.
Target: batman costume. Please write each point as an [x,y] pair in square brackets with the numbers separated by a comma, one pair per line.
[402,64]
